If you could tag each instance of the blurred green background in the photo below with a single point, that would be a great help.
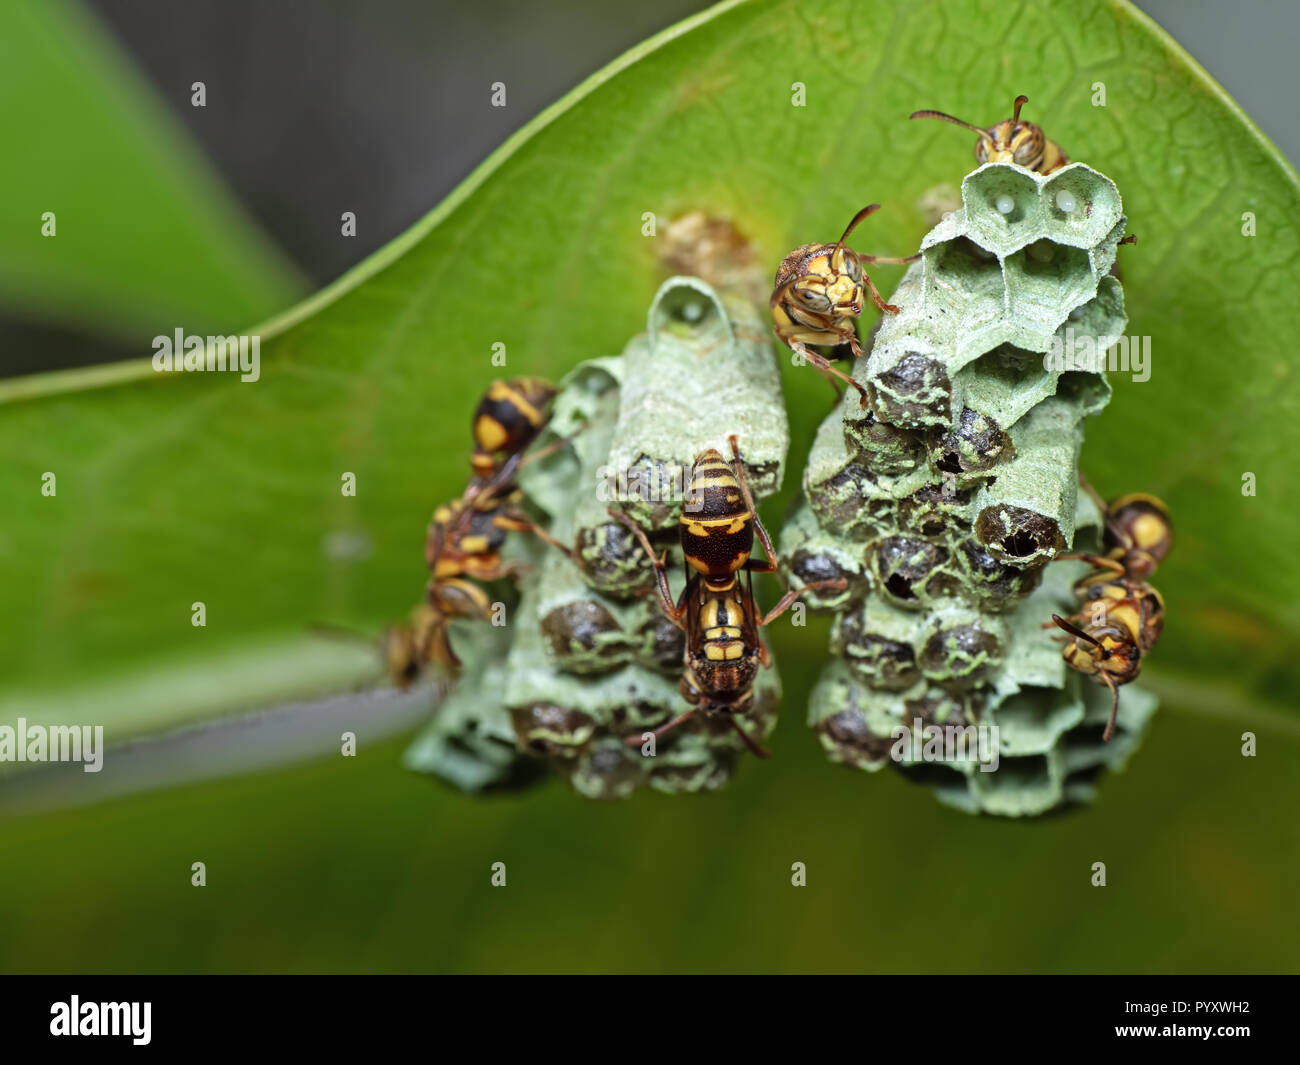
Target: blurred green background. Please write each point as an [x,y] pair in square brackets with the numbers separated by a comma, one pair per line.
[353,864]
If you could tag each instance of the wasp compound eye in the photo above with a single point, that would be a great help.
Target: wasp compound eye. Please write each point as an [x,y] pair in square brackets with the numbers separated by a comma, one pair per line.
[813,299]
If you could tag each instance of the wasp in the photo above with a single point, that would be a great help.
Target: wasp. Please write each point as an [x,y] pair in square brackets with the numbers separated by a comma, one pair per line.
[723,651]
[508,419]
[1121,615]
[819,296]
[465,536]
[1010,141]
[412,645]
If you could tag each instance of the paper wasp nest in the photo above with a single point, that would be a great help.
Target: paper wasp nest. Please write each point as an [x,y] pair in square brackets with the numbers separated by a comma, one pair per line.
[586,659]
[944,500]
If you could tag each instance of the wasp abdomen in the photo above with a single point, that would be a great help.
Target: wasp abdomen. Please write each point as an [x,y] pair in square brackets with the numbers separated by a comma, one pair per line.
[508,418]
[717,532]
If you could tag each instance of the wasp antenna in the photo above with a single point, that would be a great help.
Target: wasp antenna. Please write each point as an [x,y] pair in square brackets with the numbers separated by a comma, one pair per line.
[871,208]
[955,121]
[1073,630]
[780,293]
[1020,102]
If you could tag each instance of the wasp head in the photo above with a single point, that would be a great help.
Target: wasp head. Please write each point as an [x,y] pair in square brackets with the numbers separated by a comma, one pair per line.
[1012,141]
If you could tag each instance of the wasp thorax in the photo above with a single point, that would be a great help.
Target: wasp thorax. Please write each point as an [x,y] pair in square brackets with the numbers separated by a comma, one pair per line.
[722,675]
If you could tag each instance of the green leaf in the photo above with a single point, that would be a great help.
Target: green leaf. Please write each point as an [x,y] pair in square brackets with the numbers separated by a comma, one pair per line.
[196,487]
[145,236]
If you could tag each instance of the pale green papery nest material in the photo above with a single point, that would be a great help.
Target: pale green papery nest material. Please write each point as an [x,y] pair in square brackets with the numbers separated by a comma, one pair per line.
[587,660]
[944,500]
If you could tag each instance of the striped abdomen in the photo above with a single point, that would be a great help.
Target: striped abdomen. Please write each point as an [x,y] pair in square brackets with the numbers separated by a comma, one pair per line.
[717,530]
[508,419]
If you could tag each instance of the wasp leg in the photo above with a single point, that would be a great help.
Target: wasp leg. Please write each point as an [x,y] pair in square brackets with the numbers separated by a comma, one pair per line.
[514,521]
[537,454]
[503,477]
[889,260]
[877,298]
[636,741]
[1102,566]
[837,584]
[496,571]
[825,366]
[738,464]
[666,604]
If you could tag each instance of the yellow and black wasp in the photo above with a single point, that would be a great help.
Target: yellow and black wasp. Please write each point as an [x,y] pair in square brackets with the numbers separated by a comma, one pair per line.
[1010,141]
[507,419]
[1120,615]
[723,651]
[466,535]
[819,295]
